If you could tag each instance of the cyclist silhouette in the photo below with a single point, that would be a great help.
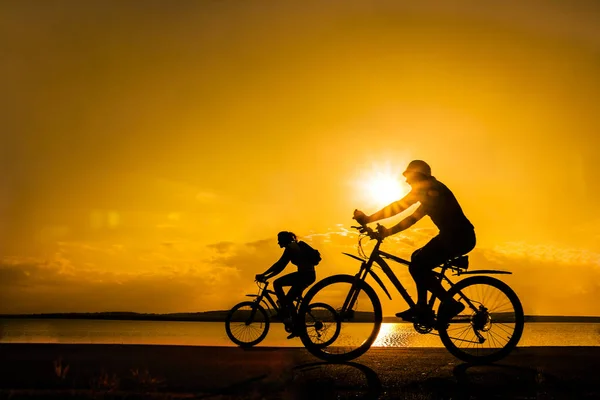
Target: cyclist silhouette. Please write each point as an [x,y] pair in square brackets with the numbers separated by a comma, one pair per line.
[298,281]
[456,234]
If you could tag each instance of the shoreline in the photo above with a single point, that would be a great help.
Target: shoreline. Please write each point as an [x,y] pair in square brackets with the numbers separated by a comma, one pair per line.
[210,317]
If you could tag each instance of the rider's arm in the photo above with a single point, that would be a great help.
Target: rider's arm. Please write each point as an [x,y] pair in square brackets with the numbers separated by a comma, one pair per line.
[279,265]
[394,208]
[408,221]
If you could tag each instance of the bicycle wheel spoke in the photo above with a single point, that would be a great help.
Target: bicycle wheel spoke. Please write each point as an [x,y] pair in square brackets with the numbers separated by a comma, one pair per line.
[358,314]
[246,324]
[319,321]
[489,331]
[497,339]
[490,339]
[506,304]
[500,327]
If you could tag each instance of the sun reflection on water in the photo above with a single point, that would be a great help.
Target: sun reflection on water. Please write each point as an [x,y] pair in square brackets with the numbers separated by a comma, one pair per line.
[394,335]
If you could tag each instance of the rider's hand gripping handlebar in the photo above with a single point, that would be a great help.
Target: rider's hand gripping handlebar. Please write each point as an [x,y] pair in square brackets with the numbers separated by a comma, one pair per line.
[373,234]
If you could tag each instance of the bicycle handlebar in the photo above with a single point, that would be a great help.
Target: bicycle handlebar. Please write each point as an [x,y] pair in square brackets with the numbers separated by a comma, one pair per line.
[264,282]
[368,231]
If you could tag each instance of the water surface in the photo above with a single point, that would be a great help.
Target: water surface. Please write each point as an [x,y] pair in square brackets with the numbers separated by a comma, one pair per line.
[213,333]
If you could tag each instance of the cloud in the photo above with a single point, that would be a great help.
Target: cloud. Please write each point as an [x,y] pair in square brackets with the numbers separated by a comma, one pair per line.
[182,276]
[38,286]
[545,253]
[548,279]
[221,247]
[169,277]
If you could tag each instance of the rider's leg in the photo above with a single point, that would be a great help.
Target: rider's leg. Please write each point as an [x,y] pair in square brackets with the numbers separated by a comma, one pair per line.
[303,280]
[457,244]
[437,251]
[421,265]
[278,284]
[422,262]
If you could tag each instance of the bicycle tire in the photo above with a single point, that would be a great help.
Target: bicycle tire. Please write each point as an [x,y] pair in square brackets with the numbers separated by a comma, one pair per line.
[479,355]
[236,335]
[333,316]
[321,351]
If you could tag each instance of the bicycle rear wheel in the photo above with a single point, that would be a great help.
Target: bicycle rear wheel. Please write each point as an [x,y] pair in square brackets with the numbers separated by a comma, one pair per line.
[323,324]
[491,324]
[358,324]
[247,324]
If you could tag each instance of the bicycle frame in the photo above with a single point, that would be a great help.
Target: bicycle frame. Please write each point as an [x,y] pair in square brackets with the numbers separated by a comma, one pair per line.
[265,298]
[366,269]
[377,256]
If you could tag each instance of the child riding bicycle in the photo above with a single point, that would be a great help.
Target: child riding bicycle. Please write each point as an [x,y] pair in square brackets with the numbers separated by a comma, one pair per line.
[305,258]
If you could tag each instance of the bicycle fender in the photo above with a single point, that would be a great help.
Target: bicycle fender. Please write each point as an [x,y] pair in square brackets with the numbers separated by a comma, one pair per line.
[484,271]
[380,282]
[353,256]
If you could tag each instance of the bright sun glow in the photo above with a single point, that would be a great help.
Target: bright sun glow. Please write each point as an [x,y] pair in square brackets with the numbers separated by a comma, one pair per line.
[382,187]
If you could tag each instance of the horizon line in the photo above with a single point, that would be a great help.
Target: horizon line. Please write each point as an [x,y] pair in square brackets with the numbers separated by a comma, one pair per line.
[212,311]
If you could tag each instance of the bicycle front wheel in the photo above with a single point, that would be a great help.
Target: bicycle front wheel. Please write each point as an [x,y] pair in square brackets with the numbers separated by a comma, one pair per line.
[491,324]
[358,310]
[247,324]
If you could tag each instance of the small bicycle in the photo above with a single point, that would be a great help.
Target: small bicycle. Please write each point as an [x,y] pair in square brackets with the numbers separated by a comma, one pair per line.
[487,330]
[248,322]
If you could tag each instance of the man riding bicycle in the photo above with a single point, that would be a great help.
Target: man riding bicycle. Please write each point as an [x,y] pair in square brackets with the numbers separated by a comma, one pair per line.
[456,234]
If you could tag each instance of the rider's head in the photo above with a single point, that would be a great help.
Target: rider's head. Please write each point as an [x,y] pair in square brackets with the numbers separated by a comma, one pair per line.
[416,171]
[284,238]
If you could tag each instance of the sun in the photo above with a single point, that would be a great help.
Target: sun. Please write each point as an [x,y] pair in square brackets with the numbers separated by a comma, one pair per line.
[382,186]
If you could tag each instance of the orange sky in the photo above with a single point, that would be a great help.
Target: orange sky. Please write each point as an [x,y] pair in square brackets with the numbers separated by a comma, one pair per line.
[149,155]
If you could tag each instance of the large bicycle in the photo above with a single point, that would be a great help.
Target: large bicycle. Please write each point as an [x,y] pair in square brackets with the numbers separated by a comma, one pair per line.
[248,322]
[487,330]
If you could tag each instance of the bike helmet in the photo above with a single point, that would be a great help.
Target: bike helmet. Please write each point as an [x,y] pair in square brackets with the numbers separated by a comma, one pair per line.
[418,166]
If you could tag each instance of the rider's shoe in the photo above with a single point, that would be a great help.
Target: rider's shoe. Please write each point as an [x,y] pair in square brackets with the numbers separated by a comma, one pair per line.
[289,324]
[406,315]
[292,335]
[416,312]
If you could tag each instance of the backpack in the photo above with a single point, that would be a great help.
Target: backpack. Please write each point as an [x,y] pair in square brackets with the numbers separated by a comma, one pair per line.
[311,254]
